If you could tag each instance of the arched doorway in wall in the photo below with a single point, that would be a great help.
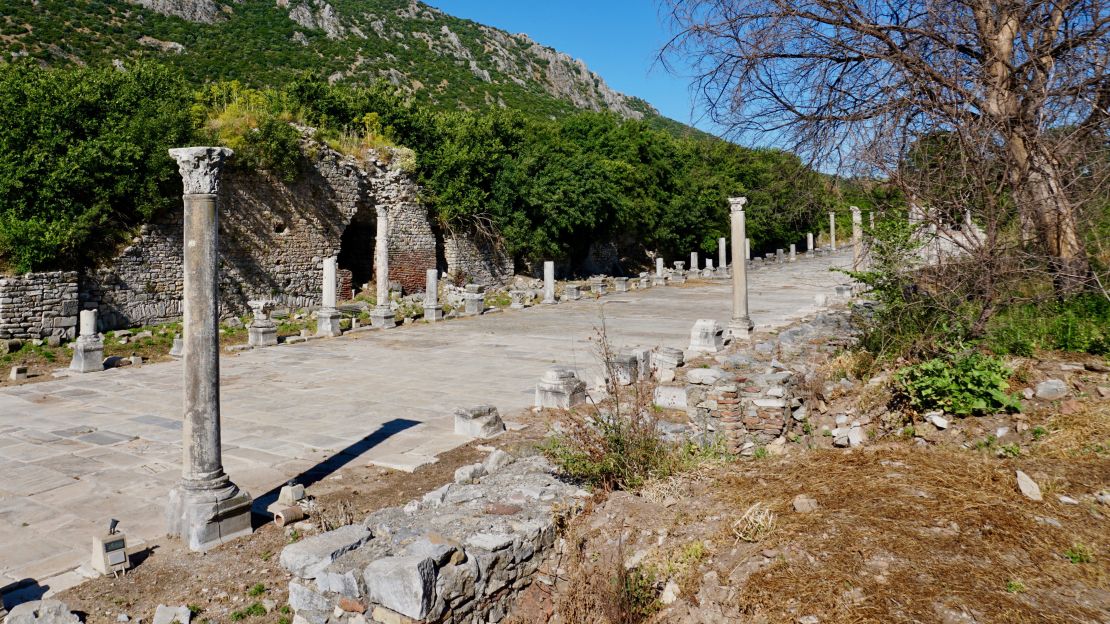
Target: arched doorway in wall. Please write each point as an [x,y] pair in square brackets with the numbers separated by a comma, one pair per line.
[356,247]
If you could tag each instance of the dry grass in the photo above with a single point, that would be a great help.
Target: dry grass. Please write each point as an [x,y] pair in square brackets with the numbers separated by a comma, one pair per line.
[918,531]
[757,523]
[1083,433]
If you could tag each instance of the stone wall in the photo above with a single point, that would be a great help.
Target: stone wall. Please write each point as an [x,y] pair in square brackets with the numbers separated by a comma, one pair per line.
[472,261]
[458,555]
[273,239]
[38,305]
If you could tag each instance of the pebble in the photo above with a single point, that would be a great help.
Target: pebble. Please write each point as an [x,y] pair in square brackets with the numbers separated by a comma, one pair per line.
[1028,487]
[1067,500]
[804,504]
[1051,389]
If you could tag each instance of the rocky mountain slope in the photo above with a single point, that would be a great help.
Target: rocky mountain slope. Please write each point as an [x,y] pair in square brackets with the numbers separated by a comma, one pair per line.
[441,59]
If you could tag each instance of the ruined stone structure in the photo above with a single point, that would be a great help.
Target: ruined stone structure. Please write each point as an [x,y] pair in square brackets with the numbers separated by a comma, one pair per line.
[273,239]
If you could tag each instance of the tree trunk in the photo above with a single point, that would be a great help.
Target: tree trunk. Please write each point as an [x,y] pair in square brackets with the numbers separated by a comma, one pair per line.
[1038,187]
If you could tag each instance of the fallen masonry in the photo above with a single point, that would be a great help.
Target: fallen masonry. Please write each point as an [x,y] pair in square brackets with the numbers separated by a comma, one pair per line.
[457,555]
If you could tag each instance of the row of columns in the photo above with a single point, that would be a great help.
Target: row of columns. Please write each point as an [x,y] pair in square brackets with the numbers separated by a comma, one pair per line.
[205,507]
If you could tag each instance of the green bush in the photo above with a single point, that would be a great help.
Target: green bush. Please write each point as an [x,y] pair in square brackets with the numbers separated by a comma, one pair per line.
[965,384]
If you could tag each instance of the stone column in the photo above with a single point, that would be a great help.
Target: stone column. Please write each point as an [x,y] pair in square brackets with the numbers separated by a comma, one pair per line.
[857,236]
[660,279]
[832,230]
[747,249]
[205,508]
[382,314]
[327,317]
[432,310]
[793,252]
[88,351]
[722,253]
[740,326]
[694,261]
[809,243]
[549,283]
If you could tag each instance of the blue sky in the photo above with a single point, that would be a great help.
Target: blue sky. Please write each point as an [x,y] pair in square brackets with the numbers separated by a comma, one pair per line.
[618,39]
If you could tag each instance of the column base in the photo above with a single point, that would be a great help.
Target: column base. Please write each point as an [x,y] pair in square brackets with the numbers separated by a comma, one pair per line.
[433,314]
[551,301]
[205,518]
[741,329]
[88,356]
[658,280]
[327,323]
[262,336]
[382,319]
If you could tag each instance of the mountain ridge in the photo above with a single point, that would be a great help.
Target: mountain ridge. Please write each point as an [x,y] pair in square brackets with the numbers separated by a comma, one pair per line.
[442,59]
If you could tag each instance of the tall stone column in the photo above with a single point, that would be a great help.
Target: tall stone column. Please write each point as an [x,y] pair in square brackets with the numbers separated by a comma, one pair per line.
[809,243]
[793,252]
[549,283]
[382,314]
[432,310]
[659,266]
[205,508]
[857,236]
[747,249]
[327,317]
[694,261]
[740,326]
[832,230]
[722,253]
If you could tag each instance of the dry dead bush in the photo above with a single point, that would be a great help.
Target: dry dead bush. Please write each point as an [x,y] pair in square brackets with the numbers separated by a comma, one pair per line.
[757,523]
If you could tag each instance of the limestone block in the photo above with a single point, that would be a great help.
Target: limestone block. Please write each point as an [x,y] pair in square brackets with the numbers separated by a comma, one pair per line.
[403,584]
[572,293]
[560,388]
[306,558]
[478,422]
[42,612]
[620,284]
[172,615]
[666,358]
[88,355]
[19,373]
[704,376]
[290,494]
[517,297]
[625,368]
[382,318]
[707,336]
[473,304]
[670,397]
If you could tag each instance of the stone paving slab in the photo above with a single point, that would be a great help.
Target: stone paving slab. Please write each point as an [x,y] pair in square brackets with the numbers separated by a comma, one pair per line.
[81,449]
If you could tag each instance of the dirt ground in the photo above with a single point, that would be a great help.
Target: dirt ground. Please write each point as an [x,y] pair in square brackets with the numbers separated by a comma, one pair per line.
[242,580]
[925,528]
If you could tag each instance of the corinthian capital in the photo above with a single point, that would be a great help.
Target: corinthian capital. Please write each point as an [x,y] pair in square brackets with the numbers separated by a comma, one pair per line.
[200,168]
[737,203]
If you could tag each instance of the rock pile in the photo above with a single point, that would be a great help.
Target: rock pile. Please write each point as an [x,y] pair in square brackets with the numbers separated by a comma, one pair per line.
[456,555]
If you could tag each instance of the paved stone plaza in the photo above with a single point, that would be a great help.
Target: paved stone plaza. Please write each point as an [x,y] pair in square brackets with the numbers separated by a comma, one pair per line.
[77,451]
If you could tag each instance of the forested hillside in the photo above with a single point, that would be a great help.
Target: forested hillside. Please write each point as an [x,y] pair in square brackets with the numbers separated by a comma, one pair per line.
[439,59]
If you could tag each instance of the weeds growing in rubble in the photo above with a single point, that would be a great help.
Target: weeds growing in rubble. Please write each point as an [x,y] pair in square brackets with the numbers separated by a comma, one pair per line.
[617,443]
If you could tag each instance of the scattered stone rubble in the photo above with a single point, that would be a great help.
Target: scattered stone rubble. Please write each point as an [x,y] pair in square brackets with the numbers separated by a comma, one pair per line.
[753,399]
[457,555]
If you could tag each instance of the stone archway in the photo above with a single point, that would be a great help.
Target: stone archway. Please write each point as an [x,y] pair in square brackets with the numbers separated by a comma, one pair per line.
[356,246]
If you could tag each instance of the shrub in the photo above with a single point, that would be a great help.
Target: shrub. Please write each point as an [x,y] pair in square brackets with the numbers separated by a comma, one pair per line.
[614,452]
[964,384]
